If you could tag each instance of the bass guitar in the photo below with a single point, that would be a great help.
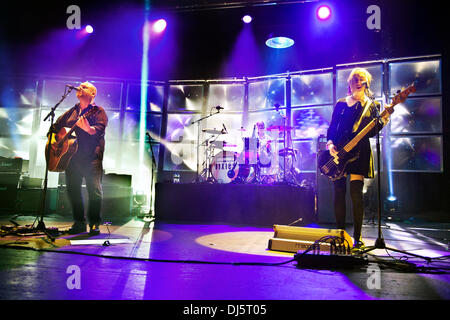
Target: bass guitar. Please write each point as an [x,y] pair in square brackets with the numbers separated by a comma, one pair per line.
[334,166]
[60,150]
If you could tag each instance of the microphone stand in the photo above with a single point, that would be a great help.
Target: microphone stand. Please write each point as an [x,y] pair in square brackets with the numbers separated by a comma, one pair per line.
[197,179]
[152,187]
[41,225]
[379,242]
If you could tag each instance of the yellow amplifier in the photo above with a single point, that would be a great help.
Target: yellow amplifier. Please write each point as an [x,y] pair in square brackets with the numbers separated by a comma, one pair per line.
[294,239]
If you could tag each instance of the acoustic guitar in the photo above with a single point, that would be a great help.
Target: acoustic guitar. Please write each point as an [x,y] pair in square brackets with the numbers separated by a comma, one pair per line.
[334,166]
[59,151]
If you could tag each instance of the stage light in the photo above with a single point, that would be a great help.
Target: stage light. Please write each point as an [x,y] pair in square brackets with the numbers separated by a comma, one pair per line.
[392,198]
[160,25]
[391,208]
[323,12]
[247,18]
[89,29]
[279,42]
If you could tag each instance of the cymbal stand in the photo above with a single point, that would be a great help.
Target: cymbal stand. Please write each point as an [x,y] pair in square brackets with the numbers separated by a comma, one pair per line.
[197,179]
[209,154]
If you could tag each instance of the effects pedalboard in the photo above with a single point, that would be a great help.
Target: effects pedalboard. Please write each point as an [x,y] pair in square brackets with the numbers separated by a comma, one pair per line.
[317,248]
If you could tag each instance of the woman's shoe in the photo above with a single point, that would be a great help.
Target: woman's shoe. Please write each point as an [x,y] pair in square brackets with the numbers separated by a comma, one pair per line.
[94,229]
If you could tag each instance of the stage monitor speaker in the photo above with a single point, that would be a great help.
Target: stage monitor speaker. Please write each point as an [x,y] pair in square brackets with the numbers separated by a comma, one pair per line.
[293,239]
[9,183]
[117,201]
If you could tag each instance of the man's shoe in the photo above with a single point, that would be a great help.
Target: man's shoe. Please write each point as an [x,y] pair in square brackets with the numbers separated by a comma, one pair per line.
[94,229]
[77,228]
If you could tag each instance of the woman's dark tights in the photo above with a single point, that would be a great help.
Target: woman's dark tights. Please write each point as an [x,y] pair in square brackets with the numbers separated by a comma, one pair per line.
[356,193]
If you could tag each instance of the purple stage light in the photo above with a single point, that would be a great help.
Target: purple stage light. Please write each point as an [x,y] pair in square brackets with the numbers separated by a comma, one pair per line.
[89,29]
[160,25]
[247,18]
[323,12]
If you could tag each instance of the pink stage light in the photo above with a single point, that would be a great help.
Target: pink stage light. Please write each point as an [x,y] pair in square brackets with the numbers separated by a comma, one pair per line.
[160,25]
[323,12]
[89,29]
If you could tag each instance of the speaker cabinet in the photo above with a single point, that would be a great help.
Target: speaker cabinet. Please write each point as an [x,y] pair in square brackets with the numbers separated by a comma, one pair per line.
[9,183]
[325,194]
[29,200]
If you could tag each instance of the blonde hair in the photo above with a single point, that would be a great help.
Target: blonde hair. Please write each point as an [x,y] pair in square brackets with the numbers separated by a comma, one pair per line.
[361,72]
[91,89]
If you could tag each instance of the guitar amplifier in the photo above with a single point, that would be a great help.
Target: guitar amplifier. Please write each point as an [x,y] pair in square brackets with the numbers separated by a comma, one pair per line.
[14,165]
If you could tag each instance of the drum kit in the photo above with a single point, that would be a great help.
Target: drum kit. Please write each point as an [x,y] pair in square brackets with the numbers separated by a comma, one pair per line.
[258,159]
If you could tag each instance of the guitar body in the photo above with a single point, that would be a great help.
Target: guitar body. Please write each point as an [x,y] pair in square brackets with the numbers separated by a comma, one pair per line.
[60,152]
[334,168]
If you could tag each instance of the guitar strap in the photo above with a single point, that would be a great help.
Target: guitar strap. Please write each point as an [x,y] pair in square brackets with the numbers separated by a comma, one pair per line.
[86,110]
[366,109]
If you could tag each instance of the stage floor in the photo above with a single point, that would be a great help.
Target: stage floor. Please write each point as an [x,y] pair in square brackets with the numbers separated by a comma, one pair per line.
[201,262]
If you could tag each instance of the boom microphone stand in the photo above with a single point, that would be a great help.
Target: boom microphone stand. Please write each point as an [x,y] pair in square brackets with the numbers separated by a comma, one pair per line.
[197,179]
[379,242]
[41,225]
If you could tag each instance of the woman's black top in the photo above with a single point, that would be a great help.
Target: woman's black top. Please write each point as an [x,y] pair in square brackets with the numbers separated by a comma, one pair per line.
[345,123]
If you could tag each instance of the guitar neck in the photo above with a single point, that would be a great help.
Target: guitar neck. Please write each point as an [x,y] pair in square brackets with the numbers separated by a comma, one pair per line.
[350,145]
[68,133]
[388,109]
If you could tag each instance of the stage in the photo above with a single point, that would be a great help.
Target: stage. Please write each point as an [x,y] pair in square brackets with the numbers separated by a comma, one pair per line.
[250,204]
[179,261]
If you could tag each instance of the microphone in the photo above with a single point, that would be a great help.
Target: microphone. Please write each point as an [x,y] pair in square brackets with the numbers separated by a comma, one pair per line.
[218,108]
[224,129]
[73,87]
[367,90]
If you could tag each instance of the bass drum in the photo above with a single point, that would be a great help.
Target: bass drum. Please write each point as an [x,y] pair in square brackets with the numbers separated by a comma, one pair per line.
[224,167]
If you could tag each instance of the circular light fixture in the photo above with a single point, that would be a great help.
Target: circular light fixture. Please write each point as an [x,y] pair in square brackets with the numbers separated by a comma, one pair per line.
[323,12]
[279,42]
[89,29]
[160,25]
[247,18]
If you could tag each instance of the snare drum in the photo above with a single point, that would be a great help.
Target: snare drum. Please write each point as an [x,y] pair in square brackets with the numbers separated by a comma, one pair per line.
[224,167]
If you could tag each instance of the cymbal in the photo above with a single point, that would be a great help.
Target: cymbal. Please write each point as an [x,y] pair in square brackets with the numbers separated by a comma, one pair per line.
[214,131]
[279,128]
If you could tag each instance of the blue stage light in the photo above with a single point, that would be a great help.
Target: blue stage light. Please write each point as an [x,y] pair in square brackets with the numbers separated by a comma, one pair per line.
[279,42]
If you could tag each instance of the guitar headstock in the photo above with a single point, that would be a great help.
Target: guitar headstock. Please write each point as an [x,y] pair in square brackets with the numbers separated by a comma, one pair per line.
[401,96]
